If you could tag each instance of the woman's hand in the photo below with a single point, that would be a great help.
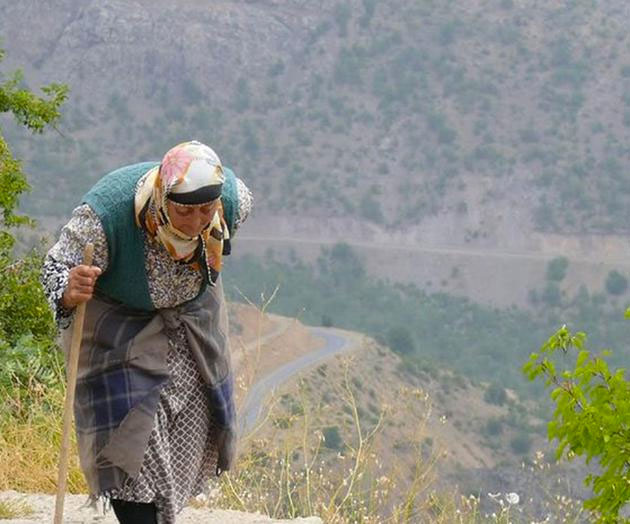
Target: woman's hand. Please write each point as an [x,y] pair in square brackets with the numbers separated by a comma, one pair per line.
[80,286]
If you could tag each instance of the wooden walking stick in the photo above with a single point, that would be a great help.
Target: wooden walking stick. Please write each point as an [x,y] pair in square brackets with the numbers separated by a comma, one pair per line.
[71,374]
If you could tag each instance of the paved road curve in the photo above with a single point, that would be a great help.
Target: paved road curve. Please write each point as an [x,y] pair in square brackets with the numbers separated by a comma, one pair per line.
[336,343]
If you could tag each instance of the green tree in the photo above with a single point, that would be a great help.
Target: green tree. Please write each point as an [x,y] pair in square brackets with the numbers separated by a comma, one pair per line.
[370,208]
[401,341]
[616,283]
[23,308]
[521,443]
[551,295]
[332,438]
[368,7]
[343,12]
[495,394]
[557,269]
[342,266]
[348,68]
[242,95]
[493,427]
[592,409]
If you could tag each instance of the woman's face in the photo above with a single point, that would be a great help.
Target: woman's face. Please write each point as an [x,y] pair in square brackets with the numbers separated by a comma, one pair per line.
[191,220]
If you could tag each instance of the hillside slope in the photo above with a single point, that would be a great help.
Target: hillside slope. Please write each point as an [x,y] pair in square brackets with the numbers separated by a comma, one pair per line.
[482,120]
[463,437]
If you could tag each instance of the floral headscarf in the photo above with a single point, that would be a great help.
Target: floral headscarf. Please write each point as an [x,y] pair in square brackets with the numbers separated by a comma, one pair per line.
[189,174]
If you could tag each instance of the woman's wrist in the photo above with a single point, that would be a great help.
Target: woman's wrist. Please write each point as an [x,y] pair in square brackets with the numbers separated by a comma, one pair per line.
[66,303]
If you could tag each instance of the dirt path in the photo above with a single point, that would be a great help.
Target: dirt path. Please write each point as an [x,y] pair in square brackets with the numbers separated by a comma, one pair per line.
[75,512]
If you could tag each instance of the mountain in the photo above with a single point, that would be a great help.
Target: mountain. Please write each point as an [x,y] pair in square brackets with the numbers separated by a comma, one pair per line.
[501,116]
[497,127]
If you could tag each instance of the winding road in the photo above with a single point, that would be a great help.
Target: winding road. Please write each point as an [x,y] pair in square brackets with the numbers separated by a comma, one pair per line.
[336,343]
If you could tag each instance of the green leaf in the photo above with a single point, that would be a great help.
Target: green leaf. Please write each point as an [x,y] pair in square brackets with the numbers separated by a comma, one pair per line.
[582,357]
[592,410]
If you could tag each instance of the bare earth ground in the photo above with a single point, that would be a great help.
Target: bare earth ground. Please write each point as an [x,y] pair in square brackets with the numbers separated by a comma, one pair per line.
[76,512]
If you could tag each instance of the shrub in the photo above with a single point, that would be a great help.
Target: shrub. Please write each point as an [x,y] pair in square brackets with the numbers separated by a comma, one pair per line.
[557,269]
[370,208]
[616,283]
[28,362]
[242,95]
[368,6]
[23,306]
[276,68]
[332,438]
[493,427]
[448,32]
[528,135]
[348,68]
[342,17]
[117,104]
[401,340]
[439,124]
[251,144]
[521,443]
[551,295]
[495,394]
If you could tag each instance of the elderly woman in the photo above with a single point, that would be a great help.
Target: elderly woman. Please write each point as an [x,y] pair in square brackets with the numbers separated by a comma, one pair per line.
[154,410]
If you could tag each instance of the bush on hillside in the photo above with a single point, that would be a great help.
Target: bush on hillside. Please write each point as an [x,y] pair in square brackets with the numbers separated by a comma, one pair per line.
[332,438]
[401,341]
[551,295]
[557,269]
[495,394]
[616,283]
[521,444]
[493,427]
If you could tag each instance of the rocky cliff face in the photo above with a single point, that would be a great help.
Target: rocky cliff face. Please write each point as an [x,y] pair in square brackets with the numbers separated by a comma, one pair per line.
[184,69]
[140,47]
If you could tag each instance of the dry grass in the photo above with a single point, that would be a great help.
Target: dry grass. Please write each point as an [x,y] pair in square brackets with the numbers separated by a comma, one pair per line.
[250,360]
[288,471]
[14,509]
[30,437]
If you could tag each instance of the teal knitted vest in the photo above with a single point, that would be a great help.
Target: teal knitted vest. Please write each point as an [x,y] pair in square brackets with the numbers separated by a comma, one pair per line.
[112,199]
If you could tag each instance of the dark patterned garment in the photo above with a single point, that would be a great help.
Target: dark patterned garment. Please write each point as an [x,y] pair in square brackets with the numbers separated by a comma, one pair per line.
[180,457]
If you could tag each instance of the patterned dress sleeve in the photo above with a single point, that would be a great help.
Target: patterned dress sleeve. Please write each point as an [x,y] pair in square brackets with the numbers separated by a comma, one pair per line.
[84,226]
[245,202]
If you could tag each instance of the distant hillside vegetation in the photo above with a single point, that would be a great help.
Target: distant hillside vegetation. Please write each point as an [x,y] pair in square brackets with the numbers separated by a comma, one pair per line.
[386,111]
